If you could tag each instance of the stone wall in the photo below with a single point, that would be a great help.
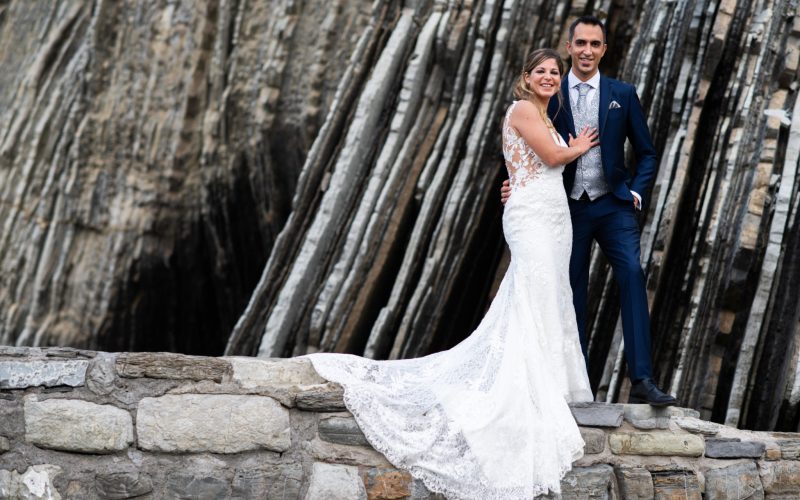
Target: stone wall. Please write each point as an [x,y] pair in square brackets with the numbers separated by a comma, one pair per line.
[82,424]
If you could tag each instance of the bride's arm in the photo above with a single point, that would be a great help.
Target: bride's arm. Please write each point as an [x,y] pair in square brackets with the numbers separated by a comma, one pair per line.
[525,118]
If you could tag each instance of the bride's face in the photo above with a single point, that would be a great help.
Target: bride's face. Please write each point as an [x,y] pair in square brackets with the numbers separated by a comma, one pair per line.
[544,79]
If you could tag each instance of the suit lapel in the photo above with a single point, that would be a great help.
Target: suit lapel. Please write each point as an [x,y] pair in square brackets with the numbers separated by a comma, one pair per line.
[605,98]
[567,107]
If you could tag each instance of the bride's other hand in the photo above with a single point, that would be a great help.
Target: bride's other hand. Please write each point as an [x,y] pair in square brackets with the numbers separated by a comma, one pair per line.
[505,192]
[586,140]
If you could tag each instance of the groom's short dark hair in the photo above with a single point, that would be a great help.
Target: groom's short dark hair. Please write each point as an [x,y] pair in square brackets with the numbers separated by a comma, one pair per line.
[590,20]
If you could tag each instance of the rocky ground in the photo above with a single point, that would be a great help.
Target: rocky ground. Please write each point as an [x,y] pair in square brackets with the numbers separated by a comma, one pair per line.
[84,424]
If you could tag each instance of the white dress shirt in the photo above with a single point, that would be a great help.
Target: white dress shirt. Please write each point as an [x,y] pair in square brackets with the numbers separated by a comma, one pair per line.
[594,84]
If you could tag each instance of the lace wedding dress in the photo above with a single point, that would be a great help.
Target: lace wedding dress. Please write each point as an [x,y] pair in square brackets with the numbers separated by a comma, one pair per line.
[488,419]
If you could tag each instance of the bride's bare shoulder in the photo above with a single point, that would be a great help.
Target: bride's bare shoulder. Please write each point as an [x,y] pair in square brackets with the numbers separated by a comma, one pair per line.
[524,112]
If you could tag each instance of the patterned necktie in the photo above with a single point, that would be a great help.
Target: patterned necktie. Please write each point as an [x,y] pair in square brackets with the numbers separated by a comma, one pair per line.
[583,91]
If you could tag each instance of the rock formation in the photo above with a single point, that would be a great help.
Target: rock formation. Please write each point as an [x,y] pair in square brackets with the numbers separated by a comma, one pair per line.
[332,170]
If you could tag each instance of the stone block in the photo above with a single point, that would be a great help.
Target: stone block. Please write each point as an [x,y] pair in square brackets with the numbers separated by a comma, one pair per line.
[12,422]
[734,481]
[324,451]
[656,443]
[124,484]
[200,486]
[594,439]
[386,484]
[673,484]
[773,451]
[335,482]
[8,351]
[790,449]
[646,416]
[17,374]
[597,481]
[635,483]
[101,374]
[33,484]
[323,397]
[678,412]
[733,448]
[254,478]
[217,423]
[5,445]
[341,430]
[250,484]
[171,366]
[80,426]
[780,478]
[597,414]
[252,373]
[697,426]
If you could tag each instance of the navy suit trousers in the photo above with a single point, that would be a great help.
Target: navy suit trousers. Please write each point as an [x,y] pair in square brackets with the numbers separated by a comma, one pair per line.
[612,223]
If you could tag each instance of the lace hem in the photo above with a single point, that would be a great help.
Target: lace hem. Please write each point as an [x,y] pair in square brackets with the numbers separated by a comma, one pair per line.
[476,490]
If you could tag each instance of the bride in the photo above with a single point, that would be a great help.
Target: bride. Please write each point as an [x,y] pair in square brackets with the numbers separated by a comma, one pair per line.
[488,419]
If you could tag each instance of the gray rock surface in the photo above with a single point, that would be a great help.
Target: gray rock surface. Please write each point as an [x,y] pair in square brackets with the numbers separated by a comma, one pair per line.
[595,440]
[635,483]
[647,417]
[342,430]
[119,485]
[101,374]
[196,486]
[12,422]
[256,372]
[790,448]
[5,445]
[217,423]
[80,426]
[16,374]
[698,426]
[36,483]
[593,482]
[735,481]
[171,366]
[733,448]
[323,397]
[335,482]
[597,414]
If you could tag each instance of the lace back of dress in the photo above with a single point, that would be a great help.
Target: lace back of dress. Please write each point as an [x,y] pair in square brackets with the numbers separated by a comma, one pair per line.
[522,163]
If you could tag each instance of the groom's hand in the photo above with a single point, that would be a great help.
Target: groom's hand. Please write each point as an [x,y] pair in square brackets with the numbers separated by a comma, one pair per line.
[637,200]
[505,192]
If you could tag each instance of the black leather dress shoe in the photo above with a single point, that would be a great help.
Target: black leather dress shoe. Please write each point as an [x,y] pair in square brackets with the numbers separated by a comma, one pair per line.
[646,391]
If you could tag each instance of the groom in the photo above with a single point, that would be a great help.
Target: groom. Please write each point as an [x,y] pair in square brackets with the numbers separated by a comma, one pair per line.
[604,198]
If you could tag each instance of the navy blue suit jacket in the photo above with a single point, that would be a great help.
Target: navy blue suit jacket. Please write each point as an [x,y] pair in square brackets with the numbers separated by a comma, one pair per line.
[615,124]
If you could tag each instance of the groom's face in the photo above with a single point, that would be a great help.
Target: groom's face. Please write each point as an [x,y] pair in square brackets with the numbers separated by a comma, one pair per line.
[586,49]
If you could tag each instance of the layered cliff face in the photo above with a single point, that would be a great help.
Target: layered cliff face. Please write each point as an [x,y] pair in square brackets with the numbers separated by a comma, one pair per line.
[335,166]
[150,151]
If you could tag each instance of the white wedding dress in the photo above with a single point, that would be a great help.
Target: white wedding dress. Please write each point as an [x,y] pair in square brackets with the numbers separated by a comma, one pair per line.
[488,419]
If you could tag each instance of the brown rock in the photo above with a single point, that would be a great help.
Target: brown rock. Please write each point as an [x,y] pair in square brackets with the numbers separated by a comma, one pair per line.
[780,478]
[676,484]
[386,484]
[171,366]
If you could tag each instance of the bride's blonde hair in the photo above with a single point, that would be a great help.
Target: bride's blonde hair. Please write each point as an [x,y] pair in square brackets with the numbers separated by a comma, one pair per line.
[535,58]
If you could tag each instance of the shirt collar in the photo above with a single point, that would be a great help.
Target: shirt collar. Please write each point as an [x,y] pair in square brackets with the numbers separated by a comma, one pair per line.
[573,80]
